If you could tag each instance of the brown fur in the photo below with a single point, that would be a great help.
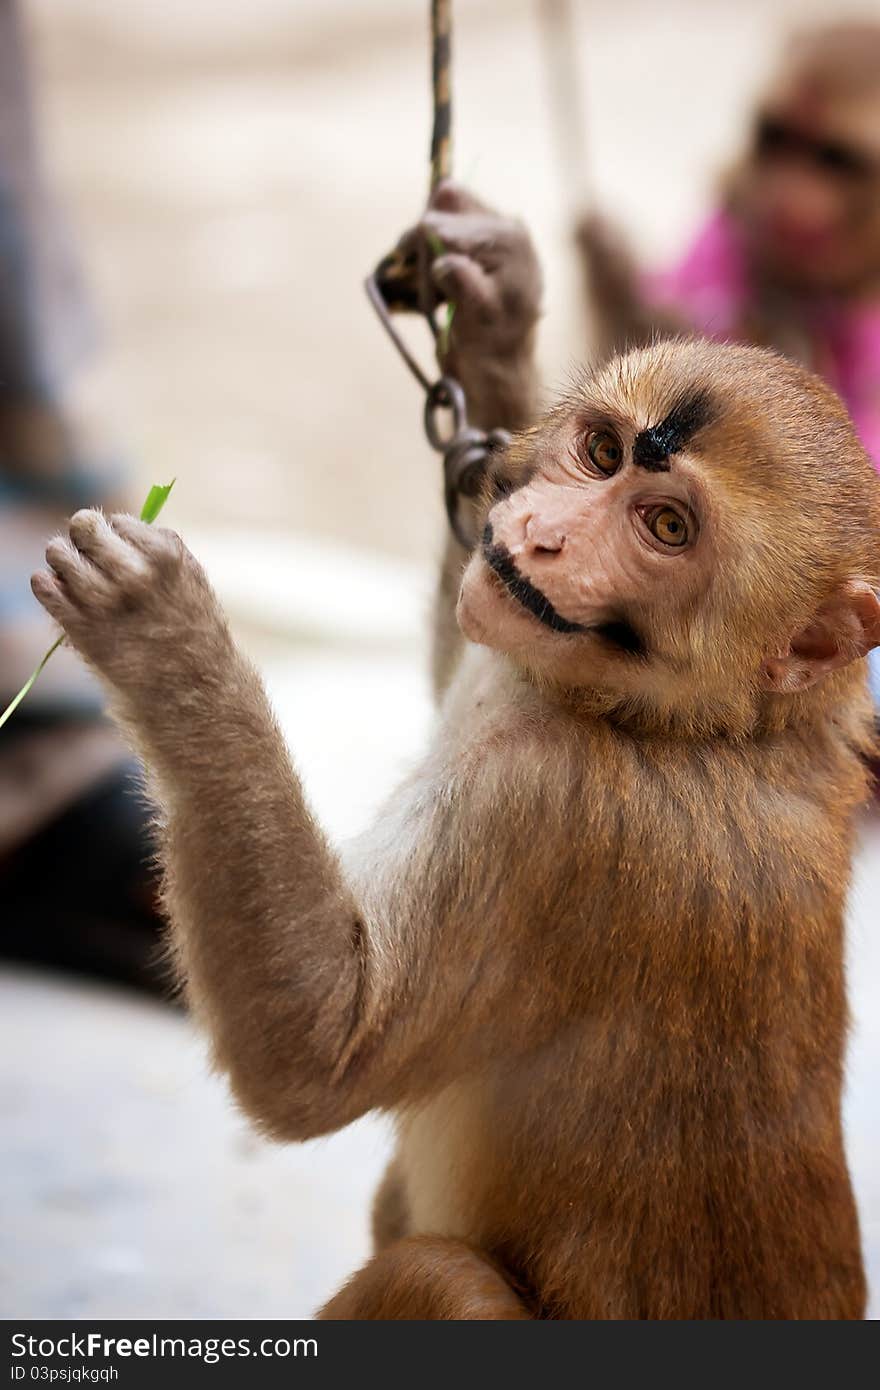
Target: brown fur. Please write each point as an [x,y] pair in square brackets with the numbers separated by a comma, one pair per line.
[391,1218]
[591,954]
[427,1277]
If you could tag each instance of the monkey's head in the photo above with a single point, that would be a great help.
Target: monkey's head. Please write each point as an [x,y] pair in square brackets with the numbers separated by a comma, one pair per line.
[808,193]
[692,534]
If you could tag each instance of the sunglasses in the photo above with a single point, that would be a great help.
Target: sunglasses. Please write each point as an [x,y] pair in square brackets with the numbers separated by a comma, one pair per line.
[775,139]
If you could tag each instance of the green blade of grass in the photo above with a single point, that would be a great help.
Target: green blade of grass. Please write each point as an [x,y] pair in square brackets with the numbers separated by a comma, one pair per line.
[14,704]
[446,329]
[156,499]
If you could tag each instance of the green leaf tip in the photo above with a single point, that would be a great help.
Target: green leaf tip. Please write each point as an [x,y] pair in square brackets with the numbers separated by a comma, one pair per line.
[156,499]
[446,329]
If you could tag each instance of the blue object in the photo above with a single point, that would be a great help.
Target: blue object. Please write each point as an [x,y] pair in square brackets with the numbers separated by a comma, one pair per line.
[874,677]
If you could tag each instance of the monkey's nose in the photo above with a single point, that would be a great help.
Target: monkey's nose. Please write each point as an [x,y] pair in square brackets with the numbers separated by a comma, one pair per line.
[543,537]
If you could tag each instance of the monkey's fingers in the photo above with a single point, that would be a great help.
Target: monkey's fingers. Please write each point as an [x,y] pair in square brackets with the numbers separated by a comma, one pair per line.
[452,217]
[482,235]
[96,539]
[464,283]
[49,591]
[76,577]
[160,545]
[454,197]
[454,221]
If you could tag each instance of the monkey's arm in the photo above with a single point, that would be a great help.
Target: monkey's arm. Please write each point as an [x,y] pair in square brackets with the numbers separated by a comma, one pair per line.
[484,267]
[320,1001]
[619,313]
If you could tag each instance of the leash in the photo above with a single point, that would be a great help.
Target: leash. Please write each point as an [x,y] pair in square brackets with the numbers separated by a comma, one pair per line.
[403,284]
[441,82]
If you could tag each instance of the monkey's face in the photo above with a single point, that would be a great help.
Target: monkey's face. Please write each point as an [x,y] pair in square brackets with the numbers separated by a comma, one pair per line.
[659,535]
[604,536]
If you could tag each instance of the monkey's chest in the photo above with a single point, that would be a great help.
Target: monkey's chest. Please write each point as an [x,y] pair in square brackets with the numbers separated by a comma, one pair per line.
[475,1157]
[444,1156]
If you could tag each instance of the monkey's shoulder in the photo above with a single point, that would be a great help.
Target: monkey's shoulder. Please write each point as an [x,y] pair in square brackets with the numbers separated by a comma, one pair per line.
[537,774]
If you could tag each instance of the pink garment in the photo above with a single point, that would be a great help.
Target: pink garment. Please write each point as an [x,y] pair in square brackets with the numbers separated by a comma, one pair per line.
[710,287]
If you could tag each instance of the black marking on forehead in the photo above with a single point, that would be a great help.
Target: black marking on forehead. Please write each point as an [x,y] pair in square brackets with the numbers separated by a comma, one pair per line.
[653,447]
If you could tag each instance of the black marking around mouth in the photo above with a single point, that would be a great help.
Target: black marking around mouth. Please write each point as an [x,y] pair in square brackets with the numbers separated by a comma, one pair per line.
[501,562]
[622,635]
[618,632]
[653,447]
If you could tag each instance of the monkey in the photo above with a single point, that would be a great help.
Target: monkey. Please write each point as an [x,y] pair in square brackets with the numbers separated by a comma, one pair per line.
[590,955]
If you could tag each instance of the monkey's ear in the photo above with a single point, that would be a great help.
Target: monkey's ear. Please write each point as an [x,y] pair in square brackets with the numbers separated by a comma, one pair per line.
[845,628]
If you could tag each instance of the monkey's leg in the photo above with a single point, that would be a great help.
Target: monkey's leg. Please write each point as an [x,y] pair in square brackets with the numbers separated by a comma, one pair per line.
[427,1277]
[390,1218]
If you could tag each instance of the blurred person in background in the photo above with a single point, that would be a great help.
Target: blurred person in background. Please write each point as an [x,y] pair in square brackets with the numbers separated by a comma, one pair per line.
[791,257]
[76,887]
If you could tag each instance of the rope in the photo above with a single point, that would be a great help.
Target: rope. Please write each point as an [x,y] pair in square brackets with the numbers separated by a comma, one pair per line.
[441,58]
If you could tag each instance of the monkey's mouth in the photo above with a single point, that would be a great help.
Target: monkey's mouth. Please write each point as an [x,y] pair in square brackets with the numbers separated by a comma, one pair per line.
[618,632]
[502,563]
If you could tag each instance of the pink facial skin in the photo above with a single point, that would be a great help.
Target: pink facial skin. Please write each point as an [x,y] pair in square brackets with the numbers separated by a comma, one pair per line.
[596,571]
[584,542]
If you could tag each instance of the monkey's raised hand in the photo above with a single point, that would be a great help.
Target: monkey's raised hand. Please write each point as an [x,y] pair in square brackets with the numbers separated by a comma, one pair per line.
[133,601]
[612,266]
[484,265]
[620,311]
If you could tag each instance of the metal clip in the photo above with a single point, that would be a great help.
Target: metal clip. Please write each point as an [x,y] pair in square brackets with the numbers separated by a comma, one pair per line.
[465,449]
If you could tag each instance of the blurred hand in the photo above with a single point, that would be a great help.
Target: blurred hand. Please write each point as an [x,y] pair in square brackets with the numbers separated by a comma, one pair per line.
[612,270]
[484,265]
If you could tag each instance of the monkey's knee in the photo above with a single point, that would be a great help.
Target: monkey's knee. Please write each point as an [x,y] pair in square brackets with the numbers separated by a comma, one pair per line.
[427,1277]
[390,1219]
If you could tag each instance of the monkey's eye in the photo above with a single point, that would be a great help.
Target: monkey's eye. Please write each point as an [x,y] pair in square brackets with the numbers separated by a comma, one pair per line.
[604,451]
[668,525]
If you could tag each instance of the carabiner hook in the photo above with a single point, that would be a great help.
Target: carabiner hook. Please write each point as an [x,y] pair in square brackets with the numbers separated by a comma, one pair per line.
[445,394]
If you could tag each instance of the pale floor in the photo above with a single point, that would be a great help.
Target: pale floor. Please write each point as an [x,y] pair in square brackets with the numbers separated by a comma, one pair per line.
[130,1184]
